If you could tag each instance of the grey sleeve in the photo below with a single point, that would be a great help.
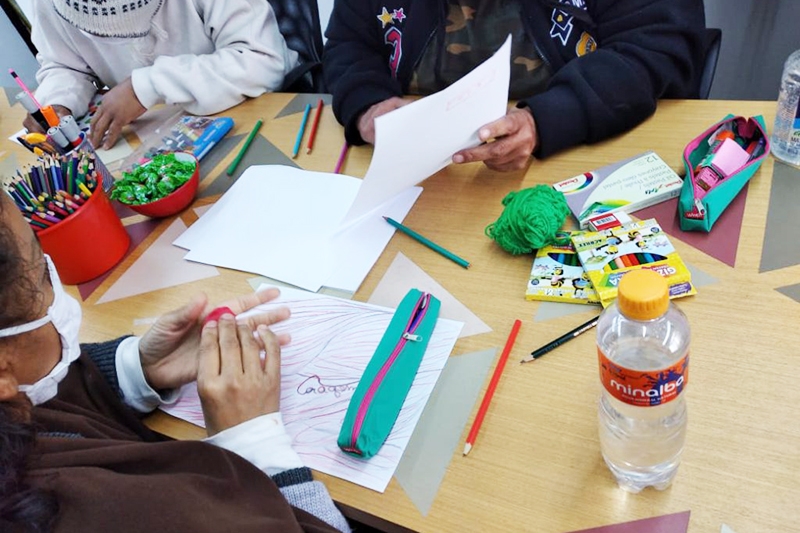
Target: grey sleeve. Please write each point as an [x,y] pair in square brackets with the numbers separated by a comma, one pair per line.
[301,491]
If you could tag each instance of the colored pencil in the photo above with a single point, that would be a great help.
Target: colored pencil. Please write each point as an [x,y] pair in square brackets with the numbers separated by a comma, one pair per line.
[342,155]
[430,244]
[487,397]
[245,146]
[314,125]
[301,131]
[552,345]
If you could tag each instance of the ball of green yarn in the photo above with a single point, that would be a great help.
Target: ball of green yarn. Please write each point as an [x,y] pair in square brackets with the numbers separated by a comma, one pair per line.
[530,219]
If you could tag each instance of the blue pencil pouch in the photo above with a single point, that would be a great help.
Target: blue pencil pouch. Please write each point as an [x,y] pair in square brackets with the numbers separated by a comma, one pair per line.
[383,387]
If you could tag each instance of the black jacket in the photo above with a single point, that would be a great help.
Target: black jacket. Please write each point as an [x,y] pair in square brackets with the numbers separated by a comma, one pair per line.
[646,50]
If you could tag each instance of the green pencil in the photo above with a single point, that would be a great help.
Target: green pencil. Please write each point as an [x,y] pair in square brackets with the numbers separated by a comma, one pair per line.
[245,146]
[430,244]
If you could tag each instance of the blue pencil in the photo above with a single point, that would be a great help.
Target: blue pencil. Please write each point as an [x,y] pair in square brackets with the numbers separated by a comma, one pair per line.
[300,132]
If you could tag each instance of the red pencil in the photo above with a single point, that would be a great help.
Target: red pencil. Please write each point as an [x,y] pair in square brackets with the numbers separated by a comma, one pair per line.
[487,398]
[313,134]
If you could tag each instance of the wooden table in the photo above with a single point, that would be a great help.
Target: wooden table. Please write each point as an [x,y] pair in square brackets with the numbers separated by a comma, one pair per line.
[537,465]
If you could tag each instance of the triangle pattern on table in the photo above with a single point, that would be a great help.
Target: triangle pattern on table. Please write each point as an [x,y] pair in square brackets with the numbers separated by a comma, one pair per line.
[260,152]
[299,102]
[11,94]
[160,266]
[215,156]
[781,220]
[138,232]
[671,523]
[552,310]
[792,291]
[437,435]
[404,275]
[8,165]
[720,243]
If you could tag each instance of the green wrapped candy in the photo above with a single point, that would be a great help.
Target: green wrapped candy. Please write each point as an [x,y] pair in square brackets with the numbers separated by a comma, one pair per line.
[153,180]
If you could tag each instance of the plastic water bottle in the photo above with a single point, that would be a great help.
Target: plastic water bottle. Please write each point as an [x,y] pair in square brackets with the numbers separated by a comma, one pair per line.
[643,351]
[786,133]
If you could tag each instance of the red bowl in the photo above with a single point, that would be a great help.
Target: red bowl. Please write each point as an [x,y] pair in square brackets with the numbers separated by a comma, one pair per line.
[177,200]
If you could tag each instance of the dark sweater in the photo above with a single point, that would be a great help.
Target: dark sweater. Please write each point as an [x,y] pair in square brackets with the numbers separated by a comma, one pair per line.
[111,473]
[646,50]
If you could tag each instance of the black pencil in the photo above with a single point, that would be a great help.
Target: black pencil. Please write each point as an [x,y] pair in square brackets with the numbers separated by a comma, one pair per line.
[586,326]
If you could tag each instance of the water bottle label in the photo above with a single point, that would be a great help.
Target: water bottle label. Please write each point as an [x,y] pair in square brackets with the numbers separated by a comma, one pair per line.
[643,388]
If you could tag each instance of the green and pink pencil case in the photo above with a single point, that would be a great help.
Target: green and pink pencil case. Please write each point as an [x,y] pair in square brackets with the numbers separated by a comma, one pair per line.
[719,163]
[385,383]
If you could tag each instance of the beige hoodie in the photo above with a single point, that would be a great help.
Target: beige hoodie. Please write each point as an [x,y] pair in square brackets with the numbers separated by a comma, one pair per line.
[205,55]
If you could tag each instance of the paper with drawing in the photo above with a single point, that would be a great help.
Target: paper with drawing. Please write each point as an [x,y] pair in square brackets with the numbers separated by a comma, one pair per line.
[332,342]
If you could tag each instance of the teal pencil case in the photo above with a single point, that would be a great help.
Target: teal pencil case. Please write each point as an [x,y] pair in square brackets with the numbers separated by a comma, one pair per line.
[719,163]
[383,387]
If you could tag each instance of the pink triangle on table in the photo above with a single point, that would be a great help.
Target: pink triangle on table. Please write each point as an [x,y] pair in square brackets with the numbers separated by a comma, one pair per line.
[671,523]
[723,239]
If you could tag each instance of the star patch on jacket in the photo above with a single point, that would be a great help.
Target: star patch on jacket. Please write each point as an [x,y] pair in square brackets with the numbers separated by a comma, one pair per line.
[586,45]
[393,36]
[385,17]
[562,21]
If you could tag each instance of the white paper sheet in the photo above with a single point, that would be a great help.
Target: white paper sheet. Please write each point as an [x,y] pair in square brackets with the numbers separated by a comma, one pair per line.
[425,134]
[282,222]
[276,221]
[358,247]
[311,229]
[332,343]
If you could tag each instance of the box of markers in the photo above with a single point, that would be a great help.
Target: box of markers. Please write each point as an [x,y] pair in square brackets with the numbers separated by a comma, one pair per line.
[609,254]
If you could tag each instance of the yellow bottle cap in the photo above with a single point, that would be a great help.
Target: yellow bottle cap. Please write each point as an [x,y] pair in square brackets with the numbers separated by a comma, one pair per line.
[643,295]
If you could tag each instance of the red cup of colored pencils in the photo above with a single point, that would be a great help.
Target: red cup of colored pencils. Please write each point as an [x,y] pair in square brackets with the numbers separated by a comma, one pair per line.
[62,200]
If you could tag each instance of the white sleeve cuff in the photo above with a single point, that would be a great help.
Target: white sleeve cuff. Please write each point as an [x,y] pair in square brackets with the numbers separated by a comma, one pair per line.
[263,441]
[136,392]
[143,87]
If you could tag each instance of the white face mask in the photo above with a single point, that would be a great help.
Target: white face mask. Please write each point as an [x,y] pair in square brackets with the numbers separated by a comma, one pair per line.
[65,314]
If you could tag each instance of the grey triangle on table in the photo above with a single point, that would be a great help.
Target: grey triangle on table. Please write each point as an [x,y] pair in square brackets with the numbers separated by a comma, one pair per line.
[213,158]
[778,250]
[260,152]
[792,291]
[700,278]
[299,102]
[8,165]
[437,435]
[552,310]
[11,95]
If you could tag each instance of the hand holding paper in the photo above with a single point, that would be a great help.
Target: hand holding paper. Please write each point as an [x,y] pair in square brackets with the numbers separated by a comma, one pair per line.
[331,226]
[449,120]
[515,138]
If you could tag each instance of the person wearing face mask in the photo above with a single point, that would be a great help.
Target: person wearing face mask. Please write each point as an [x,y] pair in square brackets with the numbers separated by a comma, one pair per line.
[74,454]
[203,55]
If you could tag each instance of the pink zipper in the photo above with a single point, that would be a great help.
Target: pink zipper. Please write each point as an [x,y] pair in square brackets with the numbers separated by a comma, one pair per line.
[408,335]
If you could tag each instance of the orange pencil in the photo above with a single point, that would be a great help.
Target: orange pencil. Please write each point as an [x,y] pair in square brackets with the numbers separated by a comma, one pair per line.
[313,133]
[487,398]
